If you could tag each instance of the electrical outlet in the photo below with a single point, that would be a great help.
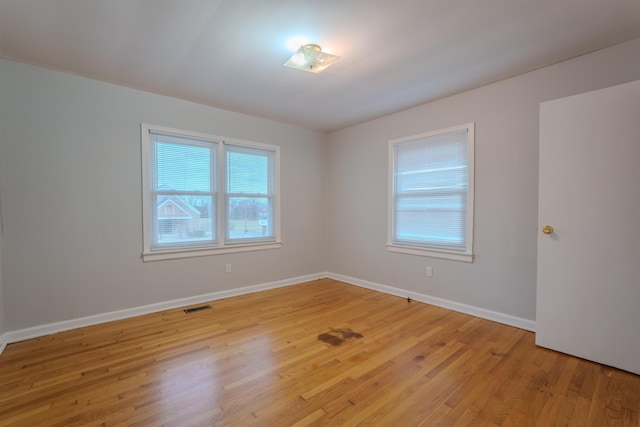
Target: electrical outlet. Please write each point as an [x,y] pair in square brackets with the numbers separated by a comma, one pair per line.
[227,268]
[429,271]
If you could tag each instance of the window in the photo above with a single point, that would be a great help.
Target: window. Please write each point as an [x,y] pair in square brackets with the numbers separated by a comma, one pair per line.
[431,194]
[204,195]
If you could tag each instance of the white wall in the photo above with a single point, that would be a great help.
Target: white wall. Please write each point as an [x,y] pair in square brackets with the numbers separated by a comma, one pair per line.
[2,303]
[503,276]
[71,188]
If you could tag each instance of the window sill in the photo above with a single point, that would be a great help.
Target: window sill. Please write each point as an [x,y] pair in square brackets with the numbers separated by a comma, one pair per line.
[454,256]
[199,252]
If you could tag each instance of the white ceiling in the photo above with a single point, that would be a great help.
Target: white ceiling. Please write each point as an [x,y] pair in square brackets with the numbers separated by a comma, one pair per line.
[229,53]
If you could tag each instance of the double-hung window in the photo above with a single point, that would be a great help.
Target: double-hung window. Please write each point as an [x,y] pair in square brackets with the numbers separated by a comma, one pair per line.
[431,194]
[204,194]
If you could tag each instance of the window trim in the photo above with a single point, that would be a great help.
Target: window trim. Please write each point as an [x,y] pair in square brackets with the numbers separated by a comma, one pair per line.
[222,246]
[467,254]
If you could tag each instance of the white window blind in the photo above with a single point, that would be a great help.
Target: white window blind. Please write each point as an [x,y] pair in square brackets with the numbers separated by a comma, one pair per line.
[250,193]
[184,191]
[431,194]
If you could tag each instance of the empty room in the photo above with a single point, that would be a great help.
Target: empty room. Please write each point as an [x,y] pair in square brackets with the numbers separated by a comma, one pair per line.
[319,213]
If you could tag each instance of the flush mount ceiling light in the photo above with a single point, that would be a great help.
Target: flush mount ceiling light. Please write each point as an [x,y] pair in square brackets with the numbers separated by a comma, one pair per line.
[310,57]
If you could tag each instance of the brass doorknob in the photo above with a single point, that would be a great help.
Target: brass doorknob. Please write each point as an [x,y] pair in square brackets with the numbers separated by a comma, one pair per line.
[547,229]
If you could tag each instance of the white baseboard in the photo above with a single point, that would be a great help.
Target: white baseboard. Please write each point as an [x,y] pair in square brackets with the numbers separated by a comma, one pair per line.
[52,328]
[507,319]
[3,342]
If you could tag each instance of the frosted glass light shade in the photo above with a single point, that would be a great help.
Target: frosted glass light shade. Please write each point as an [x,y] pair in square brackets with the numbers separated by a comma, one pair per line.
[311,58]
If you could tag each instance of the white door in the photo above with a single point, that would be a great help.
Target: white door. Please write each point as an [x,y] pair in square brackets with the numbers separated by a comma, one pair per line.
[588,296]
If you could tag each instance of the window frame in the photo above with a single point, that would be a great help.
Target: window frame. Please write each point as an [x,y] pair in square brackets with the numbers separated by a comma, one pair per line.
[248,148]
[427,250]
[222,244]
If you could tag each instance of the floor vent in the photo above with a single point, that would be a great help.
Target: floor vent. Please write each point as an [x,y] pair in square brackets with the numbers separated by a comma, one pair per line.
[194,309]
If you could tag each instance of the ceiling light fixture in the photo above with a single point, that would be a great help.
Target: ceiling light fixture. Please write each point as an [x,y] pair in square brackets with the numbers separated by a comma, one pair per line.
[310,57]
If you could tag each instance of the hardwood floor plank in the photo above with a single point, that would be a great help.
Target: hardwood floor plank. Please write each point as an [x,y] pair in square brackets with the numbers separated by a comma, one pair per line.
[322,353]
[309,419]
[415,408]
[505,379]
[580,413]
[551,409]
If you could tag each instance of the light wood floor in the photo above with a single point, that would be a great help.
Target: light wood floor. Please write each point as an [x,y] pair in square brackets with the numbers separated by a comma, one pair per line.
[319,353]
